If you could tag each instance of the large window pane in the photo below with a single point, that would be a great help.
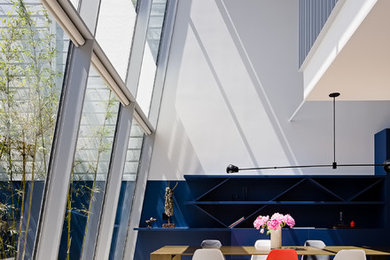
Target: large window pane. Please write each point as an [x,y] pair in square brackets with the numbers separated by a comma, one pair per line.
[127,191]
[33,52]
[133,152]
[149,62]
[90,169]
[115,31]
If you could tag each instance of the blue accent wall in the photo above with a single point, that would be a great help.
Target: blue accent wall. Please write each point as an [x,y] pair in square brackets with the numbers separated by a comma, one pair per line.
[382,150]
[194,224]
[151,240]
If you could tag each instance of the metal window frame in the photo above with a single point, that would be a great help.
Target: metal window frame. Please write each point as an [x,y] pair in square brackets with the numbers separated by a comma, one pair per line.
[114,181]
[147,147]
[138,198]
[138,46]
[122,136]
[118,159]
[64,146]
[163,60]
[89,11]
[84,51]
[71,22]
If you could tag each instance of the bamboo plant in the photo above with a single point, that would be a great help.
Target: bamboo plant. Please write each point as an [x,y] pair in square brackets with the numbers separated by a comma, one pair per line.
[29,99]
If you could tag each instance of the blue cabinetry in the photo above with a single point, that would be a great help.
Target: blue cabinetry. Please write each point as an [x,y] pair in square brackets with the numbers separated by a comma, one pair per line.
[382,150]
[314,201]
[205,207]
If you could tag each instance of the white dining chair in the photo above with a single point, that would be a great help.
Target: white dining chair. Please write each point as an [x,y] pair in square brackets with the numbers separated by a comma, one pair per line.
[211,243]
[262,244]
[208,254]
[350,254]
[318,244]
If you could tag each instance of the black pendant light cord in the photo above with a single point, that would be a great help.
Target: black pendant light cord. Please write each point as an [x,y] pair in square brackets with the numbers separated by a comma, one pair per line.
[334,133]
[233,168]
[334,95]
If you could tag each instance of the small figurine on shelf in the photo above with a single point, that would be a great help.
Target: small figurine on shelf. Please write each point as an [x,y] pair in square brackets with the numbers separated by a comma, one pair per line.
[150,221]
[168,206]
[341,223]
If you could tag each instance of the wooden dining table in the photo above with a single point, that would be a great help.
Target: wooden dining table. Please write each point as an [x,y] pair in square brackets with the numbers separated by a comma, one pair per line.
[175,252]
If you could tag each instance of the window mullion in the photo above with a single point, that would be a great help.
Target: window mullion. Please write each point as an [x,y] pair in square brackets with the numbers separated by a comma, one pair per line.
[135,214]
[147,147]
[163,57]
[138,46]
[60,169]
[89,12]
[114,182]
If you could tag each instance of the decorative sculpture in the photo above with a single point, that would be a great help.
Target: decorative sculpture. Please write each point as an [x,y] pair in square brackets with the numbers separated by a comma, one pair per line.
[150,221]
[168,206]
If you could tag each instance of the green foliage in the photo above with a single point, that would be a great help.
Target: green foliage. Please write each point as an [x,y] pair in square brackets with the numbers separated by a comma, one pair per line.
[28,108]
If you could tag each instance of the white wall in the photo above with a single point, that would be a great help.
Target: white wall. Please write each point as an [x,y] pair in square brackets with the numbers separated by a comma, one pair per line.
[232,84]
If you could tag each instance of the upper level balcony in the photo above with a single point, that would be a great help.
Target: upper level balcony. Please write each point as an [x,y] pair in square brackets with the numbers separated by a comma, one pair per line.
[351,53]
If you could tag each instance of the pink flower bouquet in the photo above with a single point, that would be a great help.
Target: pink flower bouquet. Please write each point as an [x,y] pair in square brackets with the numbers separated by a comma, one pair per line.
[277,221]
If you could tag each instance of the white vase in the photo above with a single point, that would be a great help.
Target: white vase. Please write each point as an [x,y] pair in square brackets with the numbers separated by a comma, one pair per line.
[276,238]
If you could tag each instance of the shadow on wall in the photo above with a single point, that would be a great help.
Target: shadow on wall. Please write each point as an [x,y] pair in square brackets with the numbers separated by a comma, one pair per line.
[224,95]
[232,84]
[273,46]
[179,158]
[178,91]
[173,152]
[356,122]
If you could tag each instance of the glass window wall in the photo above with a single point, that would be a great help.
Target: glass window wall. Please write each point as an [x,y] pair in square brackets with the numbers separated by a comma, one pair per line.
[133,152]
[150,58]
[127,191]
[90,168]
[33,51]
[33,55]
[115,31]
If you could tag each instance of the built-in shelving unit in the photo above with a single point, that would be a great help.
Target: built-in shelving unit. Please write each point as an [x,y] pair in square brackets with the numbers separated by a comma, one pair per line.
[206,205]
[314,201]
[180,229]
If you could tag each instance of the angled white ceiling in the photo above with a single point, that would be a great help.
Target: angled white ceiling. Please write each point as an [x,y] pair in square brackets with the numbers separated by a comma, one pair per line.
[360,70]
